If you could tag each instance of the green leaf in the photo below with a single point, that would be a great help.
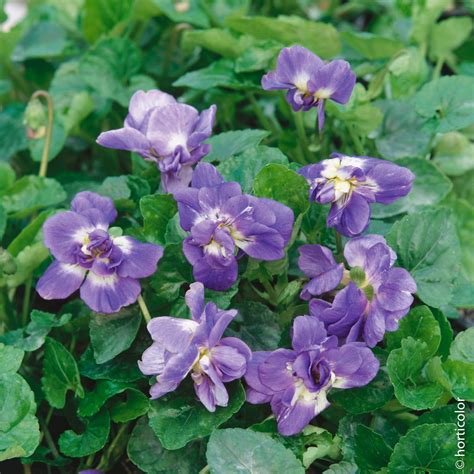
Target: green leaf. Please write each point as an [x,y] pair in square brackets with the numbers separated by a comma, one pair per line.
[343,467]
[401,134]
[58,140]
[446,333]
[449,34]
[258,56]
[218,74]
[284,185]
[427,246]
[112,334]
[122,368]
[321,38]
[227,144]
[256,325]
[461,378]
[157,210]
[447,102]
[372,46]
[31,193]
[95,400]
[454,154]
[371,451]
[45,39]
[19,429]
[365,399]
[429,188]
[405,368]
[136,405]
[105,16]
[90,441]
[426,448]
[173,271]
[424,16]
[60,374]
[232,451]
[3,222]
[7,175]
[12,131]
[244,167]
[462,347]
[147,453]
[34,335]
[420,324]
[222,42]
[191,12]
[10,359]
[108,67]
[178,419]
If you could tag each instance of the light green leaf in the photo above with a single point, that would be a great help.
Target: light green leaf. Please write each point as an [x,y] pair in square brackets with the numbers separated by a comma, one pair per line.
[244,167]
[321,38]
[462,347]
[420,324]
[60,374]
[147,453]
[157,210]
[233,451]
[227,144]
[454,154]
[258,56]
[90,441]
[426,245]
[371,451]
[12,131]
[10,359]
[136,405]
[112,334]
[447,102]
[178,419]
[372,46]
[58,140]
[426,448]
[108,67]
[95,400]
[449,34]
[405,368]
[189,12]
[283,185]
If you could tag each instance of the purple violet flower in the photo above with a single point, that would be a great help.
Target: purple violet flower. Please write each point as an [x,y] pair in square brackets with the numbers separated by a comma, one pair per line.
[296,381]
[309,80]
[375,298]
[350,184]
[80,242]
[162,130]
[220,220]
[183,346]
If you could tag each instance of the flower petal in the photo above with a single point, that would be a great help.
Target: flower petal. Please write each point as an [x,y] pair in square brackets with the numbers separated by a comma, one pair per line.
[60,280]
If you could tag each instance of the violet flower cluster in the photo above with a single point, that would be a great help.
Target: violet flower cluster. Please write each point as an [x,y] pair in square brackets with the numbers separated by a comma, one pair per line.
[195,346]
[224,224]
[351,184]
[310,81]
[296,381]
[105,267]
[376,296]
[162,130]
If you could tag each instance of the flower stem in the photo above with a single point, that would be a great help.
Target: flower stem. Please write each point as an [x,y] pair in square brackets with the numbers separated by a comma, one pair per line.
[303,138]
[438,67]
[26,301]
[144,308]
[357,143]
[49,131]
[260,114]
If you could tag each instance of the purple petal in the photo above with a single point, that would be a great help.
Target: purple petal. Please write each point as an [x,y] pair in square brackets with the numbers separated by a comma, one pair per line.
[206,175]
[352,217]
[174,181]
[175,334]
[126,139]
[99,209]
[153,360]
[295,67]
[374,328]
[357,250]
[60,280]
[307,332]
[140,105]
[257,392]
[315,260]
[213,276]
[203,128]
[210,390]
[108,294]
[188,207]
[274,373]
[139,259]
[229,361]
[194,298]
[65,233]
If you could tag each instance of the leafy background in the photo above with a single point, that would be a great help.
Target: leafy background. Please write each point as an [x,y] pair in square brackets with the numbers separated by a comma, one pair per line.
[71,395]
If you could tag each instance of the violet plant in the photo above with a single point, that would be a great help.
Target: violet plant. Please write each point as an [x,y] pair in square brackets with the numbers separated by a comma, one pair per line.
[195,281]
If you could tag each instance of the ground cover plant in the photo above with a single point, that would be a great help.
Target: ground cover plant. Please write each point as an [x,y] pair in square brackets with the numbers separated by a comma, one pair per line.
[236,237]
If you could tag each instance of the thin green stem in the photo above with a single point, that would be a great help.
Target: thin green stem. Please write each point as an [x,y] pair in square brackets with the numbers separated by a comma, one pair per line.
[105,460]
[263,119]
[356,140]
[144,309]
[303,138]
[49,439]
[438,67]
[26,301]
[204,470]
[49,131]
